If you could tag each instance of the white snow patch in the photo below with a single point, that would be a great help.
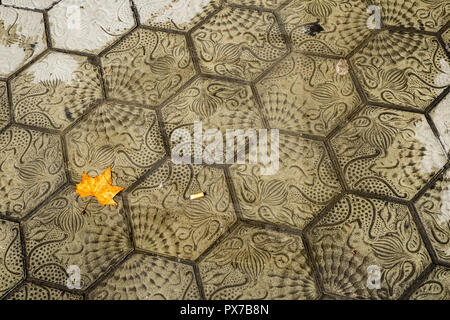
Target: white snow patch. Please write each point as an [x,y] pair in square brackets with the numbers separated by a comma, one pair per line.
[55,67]
[178,12]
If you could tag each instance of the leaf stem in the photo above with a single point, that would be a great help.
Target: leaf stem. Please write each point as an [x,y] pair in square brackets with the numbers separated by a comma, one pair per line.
[87,204]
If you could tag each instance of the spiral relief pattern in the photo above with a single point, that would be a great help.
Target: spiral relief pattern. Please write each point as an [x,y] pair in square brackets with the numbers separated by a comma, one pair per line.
[148,278]
[58,236]
[251,262]
[32,169]
[165,221]
[434,211]
[239,43]
[293,196]
[11,256]
[375,150]
[392,76]
[435,287]
[358,233]
[147,67]
[56,91]
[305,94]
[345,22]
[361,188]
[124,137]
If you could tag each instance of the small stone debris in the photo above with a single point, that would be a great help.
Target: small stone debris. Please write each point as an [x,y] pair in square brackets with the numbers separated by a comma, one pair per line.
[312,28]
[69,115]
[342,67]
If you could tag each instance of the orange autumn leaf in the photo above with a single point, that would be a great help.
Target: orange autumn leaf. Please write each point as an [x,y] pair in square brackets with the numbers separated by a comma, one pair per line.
[99,187]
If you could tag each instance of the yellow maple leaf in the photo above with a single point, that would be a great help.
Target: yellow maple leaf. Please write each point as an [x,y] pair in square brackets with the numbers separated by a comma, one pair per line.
[99,187]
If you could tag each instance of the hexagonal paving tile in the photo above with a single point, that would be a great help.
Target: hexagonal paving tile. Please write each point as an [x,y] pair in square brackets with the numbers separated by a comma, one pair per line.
[55,91]
[343,26]
[358,236]
[217,105]
[402,69]
[441,118]
[31,4]
[127,138]
[167,222]
[253,263]
[174,14]
[266,4]
[244,44]
[294,195]
[305,94]
[388,152]
[11,256]
[32,169]
[4,106]
[58,236]
[99,24]
[434,211]
[147,67]
[435,287]
[22,38]
[145,277]
[32,291]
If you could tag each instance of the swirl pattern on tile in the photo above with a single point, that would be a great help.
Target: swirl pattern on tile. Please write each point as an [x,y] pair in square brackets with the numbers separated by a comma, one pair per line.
[305,94]
[55,91]
[304,184]
[388,152]
[11,256]
[124,137]
[253,263]
[435,287]
[58,236]
[147,67]
[434,211]
[167,222]
[358,233]
[402,69]
[148,278]
[239,43]
[32,169]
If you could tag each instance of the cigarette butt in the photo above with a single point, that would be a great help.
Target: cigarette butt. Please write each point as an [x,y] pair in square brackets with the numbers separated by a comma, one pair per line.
[198,196]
